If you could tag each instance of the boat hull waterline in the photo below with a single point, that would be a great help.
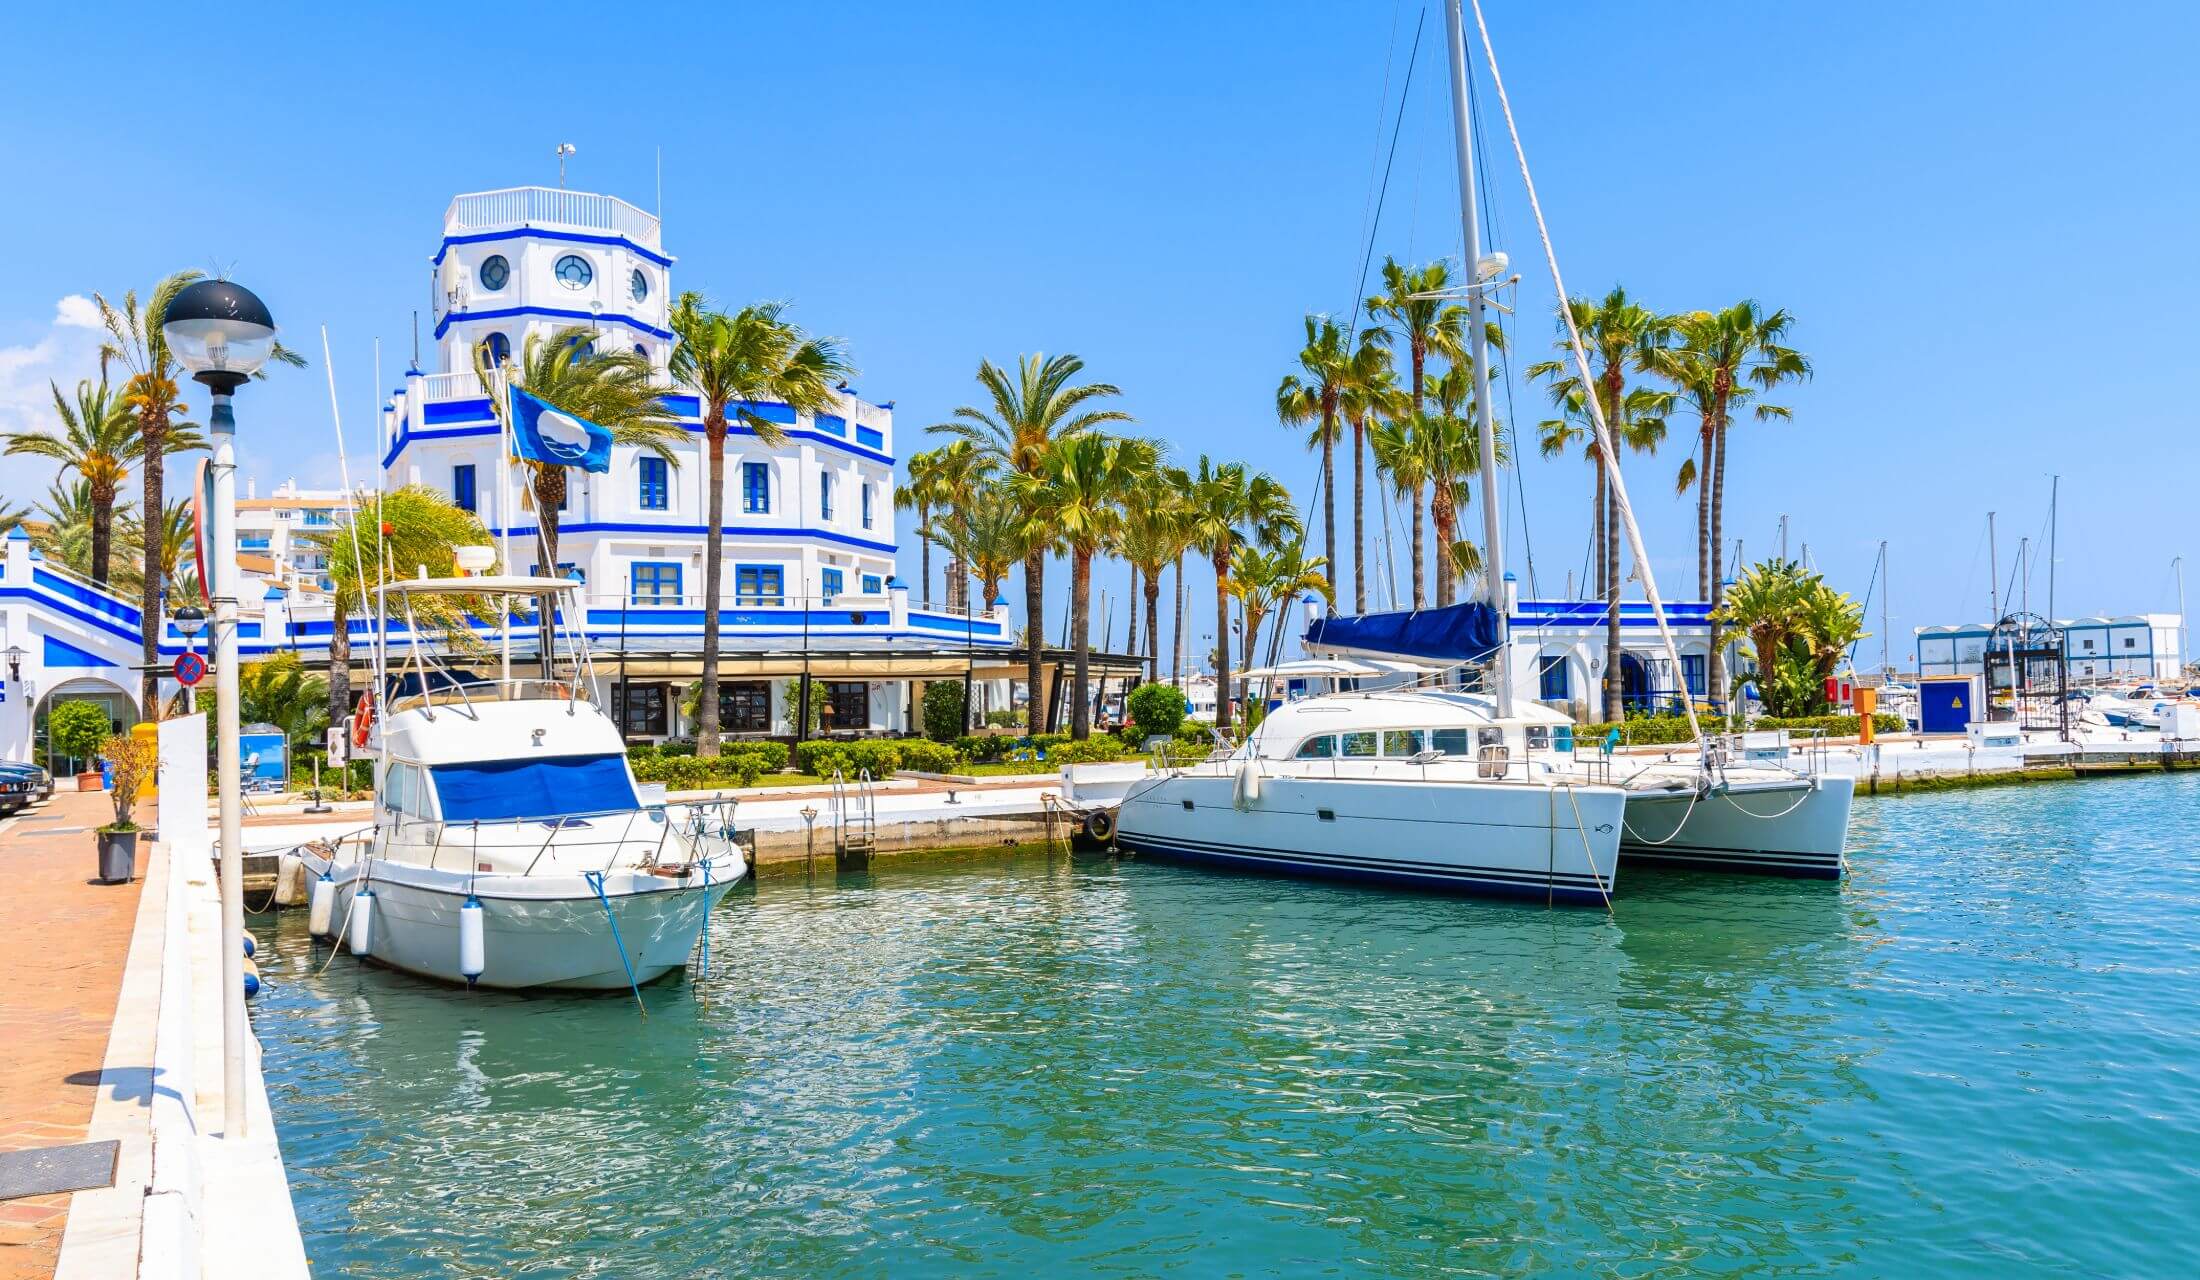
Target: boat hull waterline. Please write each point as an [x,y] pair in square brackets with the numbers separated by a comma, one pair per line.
[1792,828]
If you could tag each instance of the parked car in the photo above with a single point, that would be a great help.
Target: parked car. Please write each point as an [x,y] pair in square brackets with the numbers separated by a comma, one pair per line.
[20,784]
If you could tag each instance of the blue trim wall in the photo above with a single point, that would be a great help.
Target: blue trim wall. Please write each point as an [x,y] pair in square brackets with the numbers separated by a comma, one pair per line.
[731,531]
[562,313]
[406,435]
[536,233]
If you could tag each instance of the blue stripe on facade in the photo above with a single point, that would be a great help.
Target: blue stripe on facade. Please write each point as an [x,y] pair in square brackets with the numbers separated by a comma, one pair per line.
[405,436]
[532,233]
[932,622]
[528,531]
[870,438]
[448,411]
[506,313]
[643,615]
[106,604]
[831,424]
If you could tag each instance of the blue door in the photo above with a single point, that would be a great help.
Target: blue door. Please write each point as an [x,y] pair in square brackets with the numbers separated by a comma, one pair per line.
[1944,706]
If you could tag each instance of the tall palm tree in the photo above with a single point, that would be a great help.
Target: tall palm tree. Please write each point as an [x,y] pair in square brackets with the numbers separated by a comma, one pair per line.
[1231,503]
[1621,337]
[1454,456]
[173,551]
[97,440]
[989,537]
[944,485]
[740,362]
[1026,418]
[1402,452]
[66,514]
[1157,530]
[1722,359]
[918,494]
[1313,397]
[1078,497]
[392,535]
[1370,391]
[280,691]
[152,391]
[1264,576]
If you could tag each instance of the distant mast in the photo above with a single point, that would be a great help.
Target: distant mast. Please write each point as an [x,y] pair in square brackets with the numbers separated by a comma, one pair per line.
[1493,525]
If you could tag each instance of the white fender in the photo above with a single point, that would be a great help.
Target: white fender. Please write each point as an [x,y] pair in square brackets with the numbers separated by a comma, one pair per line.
[1246,793]
[361,928]
[472,944]
[323,908]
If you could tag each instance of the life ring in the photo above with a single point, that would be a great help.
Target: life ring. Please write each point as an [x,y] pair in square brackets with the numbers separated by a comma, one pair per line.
[1100,825]
[363,721]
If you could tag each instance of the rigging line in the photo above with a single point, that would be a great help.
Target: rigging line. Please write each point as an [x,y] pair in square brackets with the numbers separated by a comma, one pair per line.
[1605,442]
[1382,194]
[1382,107]
[1866,608]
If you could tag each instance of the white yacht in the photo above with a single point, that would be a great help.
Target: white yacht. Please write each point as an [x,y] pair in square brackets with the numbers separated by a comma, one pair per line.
[510,846]
[1746,802]
[1419,789]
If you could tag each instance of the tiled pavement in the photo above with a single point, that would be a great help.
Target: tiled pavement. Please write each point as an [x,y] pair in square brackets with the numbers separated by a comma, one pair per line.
[63,940]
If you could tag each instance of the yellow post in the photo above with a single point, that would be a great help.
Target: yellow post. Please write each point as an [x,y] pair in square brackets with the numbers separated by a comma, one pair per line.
[149,734]
[1867,702]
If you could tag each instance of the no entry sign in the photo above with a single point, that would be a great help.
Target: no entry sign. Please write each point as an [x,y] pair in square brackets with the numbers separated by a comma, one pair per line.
[190,669]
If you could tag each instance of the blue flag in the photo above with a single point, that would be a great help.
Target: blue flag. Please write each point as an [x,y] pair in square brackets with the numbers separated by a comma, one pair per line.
[542,432]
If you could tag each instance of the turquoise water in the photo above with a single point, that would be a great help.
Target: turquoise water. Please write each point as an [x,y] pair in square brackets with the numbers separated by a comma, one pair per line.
[1975,1057]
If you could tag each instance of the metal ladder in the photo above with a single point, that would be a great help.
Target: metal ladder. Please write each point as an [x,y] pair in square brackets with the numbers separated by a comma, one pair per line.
[855,820]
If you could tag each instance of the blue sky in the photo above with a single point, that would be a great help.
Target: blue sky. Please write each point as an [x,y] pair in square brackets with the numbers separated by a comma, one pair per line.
[1982,219]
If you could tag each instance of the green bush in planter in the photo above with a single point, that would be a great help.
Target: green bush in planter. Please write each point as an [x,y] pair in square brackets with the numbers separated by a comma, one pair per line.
[78,729]
[944,719]
[1157,710]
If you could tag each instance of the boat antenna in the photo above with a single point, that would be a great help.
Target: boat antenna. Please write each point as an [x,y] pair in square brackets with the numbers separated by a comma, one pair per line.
[1573,335]
[1993,575]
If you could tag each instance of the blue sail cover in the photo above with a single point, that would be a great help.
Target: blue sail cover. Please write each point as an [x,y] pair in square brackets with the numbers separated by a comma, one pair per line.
[528,790]
[1455,633]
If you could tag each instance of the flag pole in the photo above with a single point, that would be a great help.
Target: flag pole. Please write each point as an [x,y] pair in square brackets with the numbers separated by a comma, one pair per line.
[504,509]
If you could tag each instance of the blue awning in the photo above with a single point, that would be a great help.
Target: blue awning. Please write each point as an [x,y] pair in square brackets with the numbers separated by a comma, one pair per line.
[561,786]
[1456,633]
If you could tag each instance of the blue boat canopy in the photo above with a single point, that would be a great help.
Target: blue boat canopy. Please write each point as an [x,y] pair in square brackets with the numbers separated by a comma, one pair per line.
[556,787]
[1455,633]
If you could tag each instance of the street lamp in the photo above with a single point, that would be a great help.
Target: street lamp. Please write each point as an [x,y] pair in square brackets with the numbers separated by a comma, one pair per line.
[221,333]
[15,663]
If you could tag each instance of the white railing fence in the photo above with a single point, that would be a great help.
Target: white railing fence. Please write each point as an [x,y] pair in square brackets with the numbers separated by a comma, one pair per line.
[538,206]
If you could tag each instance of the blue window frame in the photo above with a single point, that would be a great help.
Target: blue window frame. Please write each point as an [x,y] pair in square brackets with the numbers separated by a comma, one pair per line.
[656,492]
[756,488]
[1692,673]
[825,495]
[866,504]
[828,583]
[252,542]
[316,518]
[463,491]
[759,584]
[654,582]
[1552,685]
[872,439]
[871,584]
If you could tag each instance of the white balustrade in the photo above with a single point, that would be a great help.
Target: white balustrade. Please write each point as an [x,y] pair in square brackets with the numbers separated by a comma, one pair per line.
[549,206]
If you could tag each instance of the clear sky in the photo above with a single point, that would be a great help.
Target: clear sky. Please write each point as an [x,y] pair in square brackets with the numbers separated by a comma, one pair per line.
[1983,219]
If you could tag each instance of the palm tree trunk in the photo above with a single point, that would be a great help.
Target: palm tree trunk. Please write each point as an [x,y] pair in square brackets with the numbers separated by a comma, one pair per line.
[1614,683]
[1222,640]
[714,570]
[339,660]
[1080,620]
[1329,494]
[1703,516]
[153,433]
[1718,673]
[1359,516]
[924,557]
[1176,651]
[1035,621]
[1153,625]
[103,530]
[1131,601]
[1444,514]
[1420,553]
[549,485]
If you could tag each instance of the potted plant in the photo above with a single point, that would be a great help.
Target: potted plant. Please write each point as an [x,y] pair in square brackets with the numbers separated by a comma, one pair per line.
[78,729]
[133,759]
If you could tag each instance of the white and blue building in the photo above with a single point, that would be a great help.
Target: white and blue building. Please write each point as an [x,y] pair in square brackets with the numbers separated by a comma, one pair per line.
[2132,646]
[809,569]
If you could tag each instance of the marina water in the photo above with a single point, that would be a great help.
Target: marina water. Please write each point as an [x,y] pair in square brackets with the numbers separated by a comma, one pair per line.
[1975,1057]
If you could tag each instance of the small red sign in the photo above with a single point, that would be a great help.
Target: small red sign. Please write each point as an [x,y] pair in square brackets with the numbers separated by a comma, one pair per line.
[190,669]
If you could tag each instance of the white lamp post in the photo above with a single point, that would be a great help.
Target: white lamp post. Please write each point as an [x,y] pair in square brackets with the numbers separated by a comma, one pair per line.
[222,334]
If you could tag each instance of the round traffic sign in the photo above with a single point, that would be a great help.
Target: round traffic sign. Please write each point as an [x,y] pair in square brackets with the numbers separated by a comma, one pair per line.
[190,668]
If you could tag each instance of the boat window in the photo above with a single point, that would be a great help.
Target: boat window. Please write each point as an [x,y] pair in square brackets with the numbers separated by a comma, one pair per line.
[1452,742]
[528,790]
[1539,737]
[401,789]
[1489,737]
[1403,742]
[1357,744]
[1320,748]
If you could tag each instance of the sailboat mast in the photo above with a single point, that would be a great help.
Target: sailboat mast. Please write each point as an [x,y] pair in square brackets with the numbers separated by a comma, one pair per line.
[1470,222]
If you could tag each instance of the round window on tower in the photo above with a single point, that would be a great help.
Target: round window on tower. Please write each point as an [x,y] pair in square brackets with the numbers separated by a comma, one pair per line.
[574,272]
[495,272]
[638,285]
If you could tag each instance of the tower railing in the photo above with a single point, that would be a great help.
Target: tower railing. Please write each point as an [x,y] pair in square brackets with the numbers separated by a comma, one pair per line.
[550,206]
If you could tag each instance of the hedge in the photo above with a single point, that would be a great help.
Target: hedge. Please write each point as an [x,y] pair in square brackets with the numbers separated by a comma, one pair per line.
[1643,731]
[1097,749]
[881,757]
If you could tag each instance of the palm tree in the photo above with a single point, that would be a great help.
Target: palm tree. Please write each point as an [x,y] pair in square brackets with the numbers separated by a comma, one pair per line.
[919,495]
[1026,419]
[281,692]
[66,514]
[1078,496]
[740,362]
[1315,399]
[1370,391]
[1156,532]
[135,341]
[11,520]
[1721,359]
[174,549]
[1264,576]
[413,527]
[944,485]
[987,534]
[1229,504]
[1402,452]
[1621,337]
[98,441]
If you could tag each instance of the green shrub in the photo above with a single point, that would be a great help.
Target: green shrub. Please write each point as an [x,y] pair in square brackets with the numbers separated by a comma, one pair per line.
[850,758]
[930,757]
[1157,710]
[747,768]
[1639,731]
[1097,749]
[1835,726]
[944,720]
[641,751]
[982,749]
[771,755]
[1004,719]
[678,747]
[1044,743]
[77,729]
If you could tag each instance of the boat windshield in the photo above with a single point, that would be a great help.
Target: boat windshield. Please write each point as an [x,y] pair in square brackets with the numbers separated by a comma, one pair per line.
[530,790]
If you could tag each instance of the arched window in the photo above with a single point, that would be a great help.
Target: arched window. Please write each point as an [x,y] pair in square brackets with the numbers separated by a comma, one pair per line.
[498,348]
[641,351]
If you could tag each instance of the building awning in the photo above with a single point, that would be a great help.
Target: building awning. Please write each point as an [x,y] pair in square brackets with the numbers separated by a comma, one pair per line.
[1455,633]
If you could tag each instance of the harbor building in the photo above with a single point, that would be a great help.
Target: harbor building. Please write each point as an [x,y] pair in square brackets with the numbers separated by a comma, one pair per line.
[2132,646]
[275,536]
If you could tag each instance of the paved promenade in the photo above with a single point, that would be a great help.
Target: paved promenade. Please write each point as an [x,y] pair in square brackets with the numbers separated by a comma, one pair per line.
[63,941]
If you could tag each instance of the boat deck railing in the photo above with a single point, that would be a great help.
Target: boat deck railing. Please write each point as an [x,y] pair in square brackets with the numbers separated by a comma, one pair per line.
[473,692]
[697,821]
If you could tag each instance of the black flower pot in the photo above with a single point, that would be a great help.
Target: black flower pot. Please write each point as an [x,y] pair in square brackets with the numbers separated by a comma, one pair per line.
[117,856]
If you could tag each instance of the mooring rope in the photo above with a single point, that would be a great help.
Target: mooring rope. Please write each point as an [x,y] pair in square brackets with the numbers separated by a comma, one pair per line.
[595,881]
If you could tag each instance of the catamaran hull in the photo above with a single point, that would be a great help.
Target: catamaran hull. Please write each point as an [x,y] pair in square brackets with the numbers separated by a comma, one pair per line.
[1795,829]
[1492,840]
[548,932]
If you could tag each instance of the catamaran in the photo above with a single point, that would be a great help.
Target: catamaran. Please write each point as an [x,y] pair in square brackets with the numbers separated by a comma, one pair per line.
[510,846]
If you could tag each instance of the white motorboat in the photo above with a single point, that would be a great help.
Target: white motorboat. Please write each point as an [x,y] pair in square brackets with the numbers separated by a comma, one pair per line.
[510,847]
[1418,789]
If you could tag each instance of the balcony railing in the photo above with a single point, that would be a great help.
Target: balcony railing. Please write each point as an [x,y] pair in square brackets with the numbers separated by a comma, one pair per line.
[462,385]
[550,207]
